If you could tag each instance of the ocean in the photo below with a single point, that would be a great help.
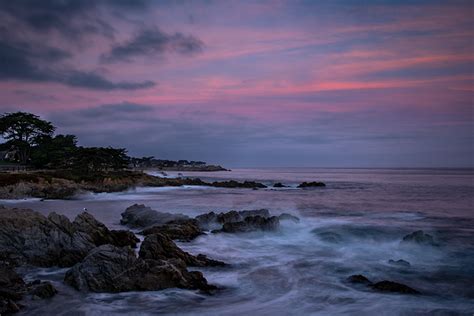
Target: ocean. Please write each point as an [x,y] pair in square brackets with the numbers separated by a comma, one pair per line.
[299,270]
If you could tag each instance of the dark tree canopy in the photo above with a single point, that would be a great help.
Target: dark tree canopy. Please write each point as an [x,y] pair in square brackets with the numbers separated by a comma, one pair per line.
[24,130]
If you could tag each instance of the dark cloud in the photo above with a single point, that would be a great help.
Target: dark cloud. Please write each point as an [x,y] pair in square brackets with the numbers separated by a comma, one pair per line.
[27,62]
[123,109]
[71,18]
[152,41]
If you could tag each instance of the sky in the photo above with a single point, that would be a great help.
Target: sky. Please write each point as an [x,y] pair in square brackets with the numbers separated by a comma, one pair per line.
[249,83]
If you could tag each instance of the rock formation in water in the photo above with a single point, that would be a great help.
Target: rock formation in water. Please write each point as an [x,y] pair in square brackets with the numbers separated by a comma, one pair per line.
[311,184]
[112,269]
[419,238]
[29,237]
[382,286]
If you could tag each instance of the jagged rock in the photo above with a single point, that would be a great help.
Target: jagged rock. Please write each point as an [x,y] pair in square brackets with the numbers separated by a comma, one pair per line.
[161,247]
[29,237]
[12,289]
[111,269]
[123,238]
[311,184]
[236,184]
[288,217]
[183,230]
[279,185]
[213,221]
[41,290]
[251,223]
[400,262]
[419,237]
[393,287]
[359,279]
[139,215]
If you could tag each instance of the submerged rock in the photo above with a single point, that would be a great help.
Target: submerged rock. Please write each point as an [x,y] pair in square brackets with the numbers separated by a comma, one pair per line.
[182,230]
[251,223]
[382,286]
[400,262]
[419,237]
[139,215]
[41,290]
[358,279]
[311,184]
[161,247]
[27,236]
[279,185]
[393,287]
[111,269]
[288,217]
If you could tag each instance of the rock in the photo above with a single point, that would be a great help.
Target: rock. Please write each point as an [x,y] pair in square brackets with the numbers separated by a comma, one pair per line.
[288,217]
[111,269]
[235,184]
[311,184]
[161,247]
[29,237]
[393,287]
[12,289]
[251,223]
[328,236]
[139,215]
[400,262]
[419,237]
[358,279]
[42,290]
[123,238]
[182,230]
[213,221]
[279,185]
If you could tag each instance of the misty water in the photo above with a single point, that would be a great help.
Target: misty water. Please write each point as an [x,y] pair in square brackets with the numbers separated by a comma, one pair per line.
[299,270]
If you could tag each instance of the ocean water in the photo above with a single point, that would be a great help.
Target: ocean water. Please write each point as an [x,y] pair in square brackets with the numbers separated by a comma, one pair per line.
[352,226]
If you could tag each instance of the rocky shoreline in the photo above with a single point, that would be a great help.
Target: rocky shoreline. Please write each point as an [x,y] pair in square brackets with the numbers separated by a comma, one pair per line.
[104,260]
[67,184]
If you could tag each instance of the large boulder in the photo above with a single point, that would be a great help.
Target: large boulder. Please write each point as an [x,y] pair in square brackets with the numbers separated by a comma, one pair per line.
[251,223]
[41,290]
[419,238]
[141,216]
[161,247]
[111,269]
[27,236]
[12,289]
[182,230]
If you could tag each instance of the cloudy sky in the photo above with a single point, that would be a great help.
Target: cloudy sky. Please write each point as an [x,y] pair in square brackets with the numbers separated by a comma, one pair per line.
[249,83]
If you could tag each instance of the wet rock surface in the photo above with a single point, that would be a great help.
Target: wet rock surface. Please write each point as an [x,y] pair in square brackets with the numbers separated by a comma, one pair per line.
[312,184]
[12,289]
[419,237]
[182,230]
[161,247]
[30,237]
[141,216]
[279,185]
[393,287]
[251,223]
[111,269]
[382,286]
[358,279]
[236,184]
[212,220]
